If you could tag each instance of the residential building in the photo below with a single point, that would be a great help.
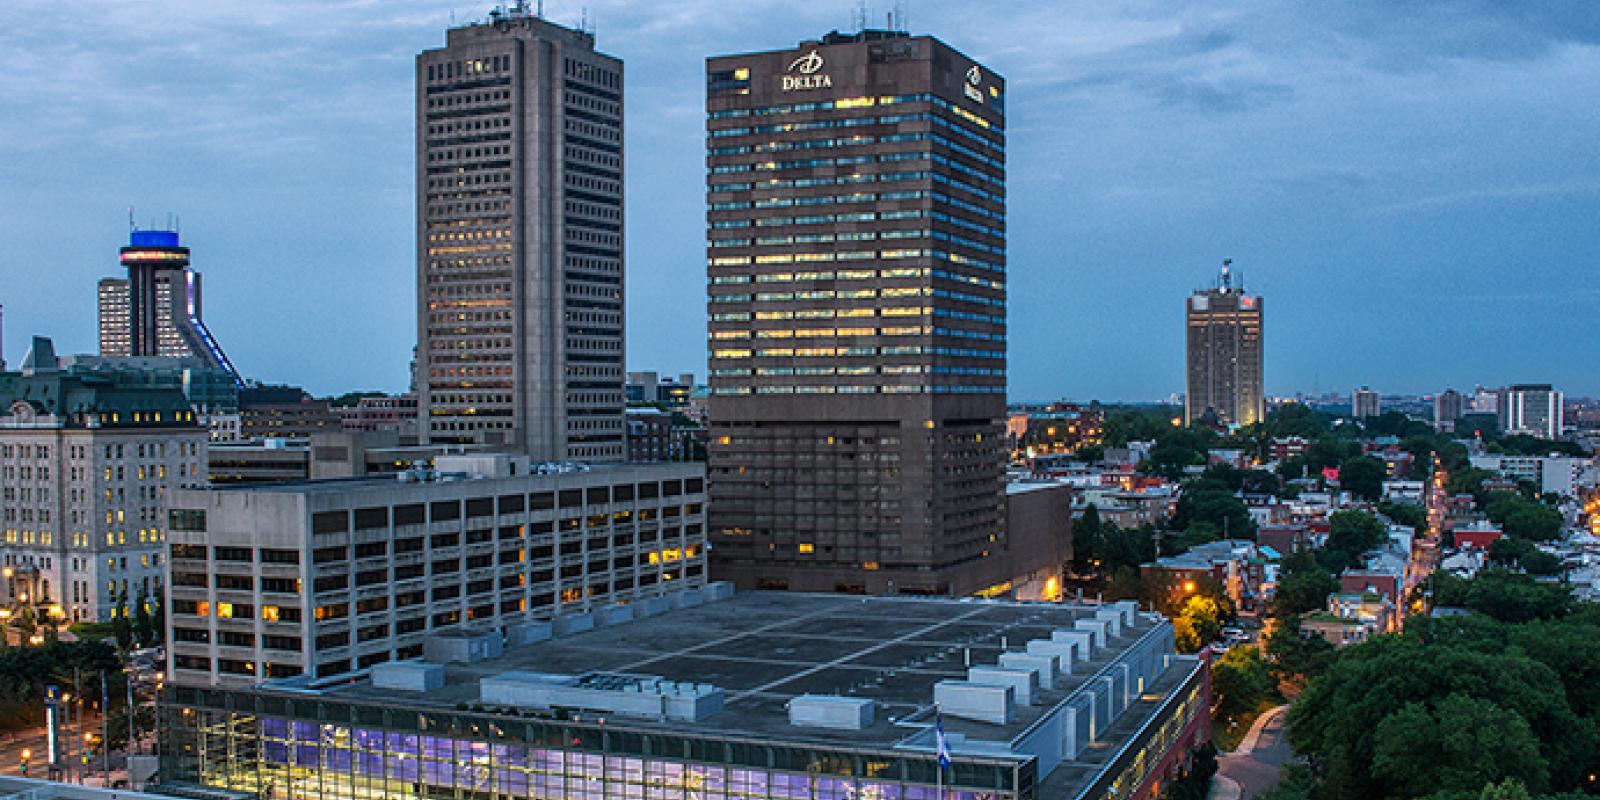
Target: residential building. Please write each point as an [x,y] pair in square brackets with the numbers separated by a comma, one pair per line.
[1058,428]
[155,311]
[1448,406]
[1233,564]
[650,435]
[520,240]
[322,578]
[685,695]
[87,464]
[858,320]
[1558,475]
[1480,535]
[1535,409]
[1351,618]
[1225,385]
[1365,403]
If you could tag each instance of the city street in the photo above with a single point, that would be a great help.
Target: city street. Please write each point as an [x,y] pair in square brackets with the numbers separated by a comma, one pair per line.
[1254,767]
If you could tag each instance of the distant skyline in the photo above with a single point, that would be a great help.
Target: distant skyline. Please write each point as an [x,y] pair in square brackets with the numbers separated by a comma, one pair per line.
[1414,192]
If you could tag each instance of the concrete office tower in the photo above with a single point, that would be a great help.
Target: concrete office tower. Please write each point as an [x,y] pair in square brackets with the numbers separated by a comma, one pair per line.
[155,311]
[1365,403]
[519,240]
[1448,407]
[858,317]
[1535,409]
[87,463]
[1225,361]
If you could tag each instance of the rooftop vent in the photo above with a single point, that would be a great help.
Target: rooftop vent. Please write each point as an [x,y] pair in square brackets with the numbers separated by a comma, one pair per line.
[408,676]
[463,646]
[830,711]
[638,696]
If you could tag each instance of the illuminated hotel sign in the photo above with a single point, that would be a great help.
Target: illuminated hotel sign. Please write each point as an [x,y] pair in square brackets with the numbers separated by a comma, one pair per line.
[974,80]
[805,73]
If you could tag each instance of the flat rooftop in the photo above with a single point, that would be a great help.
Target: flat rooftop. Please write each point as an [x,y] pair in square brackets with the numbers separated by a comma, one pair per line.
[765,648]
[599,472]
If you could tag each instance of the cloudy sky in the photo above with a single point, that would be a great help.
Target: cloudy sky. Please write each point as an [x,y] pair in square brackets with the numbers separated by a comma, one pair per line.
[1414,187]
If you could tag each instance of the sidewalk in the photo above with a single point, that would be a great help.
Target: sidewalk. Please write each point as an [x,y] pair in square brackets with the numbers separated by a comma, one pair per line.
[1224,788]
[1247,745]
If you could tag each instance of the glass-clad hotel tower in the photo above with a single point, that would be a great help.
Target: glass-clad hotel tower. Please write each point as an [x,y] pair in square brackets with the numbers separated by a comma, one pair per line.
[856,261]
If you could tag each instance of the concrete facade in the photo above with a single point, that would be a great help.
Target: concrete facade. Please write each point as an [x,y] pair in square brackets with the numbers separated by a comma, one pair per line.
[87,467]
[520,241]
[321,578]
[1225,355]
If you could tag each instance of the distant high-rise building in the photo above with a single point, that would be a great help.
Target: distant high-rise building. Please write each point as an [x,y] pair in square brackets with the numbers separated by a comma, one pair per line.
[858,317]
[155,311]
[1487,400]
[1448,406]
[1536,409]
[520,240]
[1225,354]
[1365,403]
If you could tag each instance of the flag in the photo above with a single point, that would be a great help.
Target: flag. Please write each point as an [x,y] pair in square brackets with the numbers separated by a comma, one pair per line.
[941,745]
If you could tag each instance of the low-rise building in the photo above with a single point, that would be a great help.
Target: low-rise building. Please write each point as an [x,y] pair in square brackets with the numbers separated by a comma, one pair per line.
[1351,618]
[761,695]
[321,578]
[649,435]
[1479,536]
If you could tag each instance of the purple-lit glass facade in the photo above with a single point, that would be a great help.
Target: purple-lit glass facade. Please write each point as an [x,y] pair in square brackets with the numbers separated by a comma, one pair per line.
[487,757]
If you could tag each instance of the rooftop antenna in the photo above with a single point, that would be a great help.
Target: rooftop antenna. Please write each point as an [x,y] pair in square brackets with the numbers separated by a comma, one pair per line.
[1226,278]
[132,226]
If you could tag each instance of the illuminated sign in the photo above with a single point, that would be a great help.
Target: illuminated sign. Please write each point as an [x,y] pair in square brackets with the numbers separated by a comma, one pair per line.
[137,256]
[810,75]
[974,80]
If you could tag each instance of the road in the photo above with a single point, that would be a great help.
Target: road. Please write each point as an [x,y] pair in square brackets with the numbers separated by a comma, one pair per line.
[1254,767]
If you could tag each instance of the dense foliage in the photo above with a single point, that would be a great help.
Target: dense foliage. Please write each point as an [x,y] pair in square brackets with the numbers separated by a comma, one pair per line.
[26,671]
[1504,699]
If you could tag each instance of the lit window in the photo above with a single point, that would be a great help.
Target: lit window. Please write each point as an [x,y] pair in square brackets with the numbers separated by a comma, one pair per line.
[807,547]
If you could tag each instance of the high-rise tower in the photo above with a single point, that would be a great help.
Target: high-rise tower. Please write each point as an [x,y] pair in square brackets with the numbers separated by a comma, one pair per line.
[519,240]
[858,318]
[1225,356]
[155,311]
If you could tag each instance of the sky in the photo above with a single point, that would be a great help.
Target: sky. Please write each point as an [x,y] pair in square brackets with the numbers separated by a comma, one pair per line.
[1413,187]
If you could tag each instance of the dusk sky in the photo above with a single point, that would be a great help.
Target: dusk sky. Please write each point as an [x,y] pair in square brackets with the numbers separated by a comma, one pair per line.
[1414,187]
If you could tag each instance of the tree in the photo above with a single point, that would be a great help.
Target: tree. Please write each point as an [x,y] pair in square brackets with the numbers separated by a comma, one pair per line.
[1210,503]
[1457,743]
[1342,721]
[1363,477]
[143,626]
[1411,516]
[1296,657]
[1533,522]
[1303,585]
[1350,534]
[1199,624]
[1176,449]
[1086,540]
[121,627]
[1514,598]
[1240,683]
